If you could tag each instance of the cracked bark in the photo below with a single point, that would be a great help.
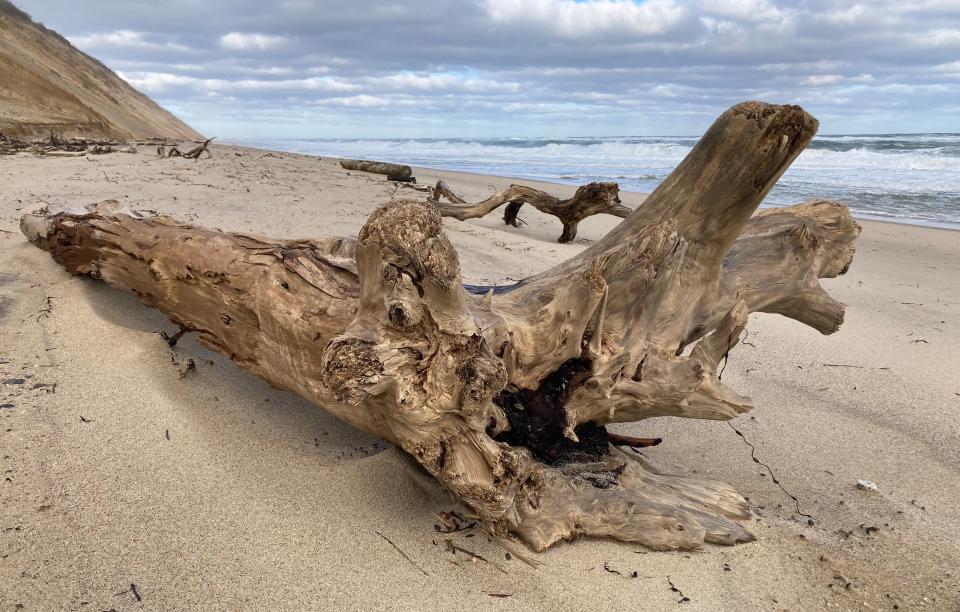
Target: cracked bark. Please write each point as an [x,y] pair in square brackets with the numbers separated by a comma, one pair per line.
[502,393]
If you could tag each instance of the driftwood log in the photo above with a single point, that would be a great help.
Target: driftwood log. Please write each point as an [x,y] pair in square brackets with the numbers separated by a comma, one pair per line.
[502,393]
[590,199]
[195,152]
[396,171]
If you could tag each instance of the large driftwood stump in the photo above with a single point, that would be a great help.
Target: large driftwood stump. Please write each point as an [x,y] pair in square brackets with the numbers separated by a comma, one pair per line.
[502,393]
[590,199]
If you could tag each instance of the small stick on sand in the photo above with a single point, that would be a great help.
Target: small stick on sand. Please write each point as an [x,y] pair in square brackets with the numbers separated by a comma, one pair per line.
[632,442]
[403,554]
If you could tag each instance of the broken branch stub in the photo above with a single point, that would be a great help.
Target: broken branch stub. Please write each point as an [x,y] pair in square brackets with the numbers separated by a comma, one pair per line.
[503,393]
[590,199]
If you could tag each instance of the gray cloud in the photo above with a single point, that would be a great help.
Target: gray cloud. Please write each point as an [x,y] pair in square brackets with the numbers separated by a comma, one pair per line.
[524,67]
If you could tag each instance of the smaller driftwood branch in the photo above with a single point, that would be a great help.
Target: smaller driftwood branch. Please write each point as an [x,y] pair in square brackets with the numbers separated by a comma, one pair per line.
[195,152]
[590,199]
[393,171]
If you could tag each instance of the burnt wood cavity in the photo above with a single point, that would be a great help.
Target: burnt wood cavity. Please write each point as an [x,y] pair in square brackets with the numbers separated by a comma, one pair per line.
[537,419]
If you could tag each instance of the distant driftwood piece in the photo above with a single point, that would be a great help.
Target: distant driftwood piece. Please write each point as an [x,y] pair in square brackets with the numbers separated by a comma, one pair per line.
[195,152]
[99,149]
[391,170]
[590,199]
[503,393]
[58,153]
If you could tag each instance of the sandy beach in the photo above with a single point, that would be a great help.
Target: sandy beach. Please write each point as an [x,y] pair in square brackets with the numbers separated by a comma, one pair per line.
[208,489]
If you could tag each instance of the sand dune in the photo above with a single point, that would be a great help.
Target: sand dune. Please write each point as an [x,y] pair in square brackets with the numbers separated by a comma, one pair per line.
[46,84]
[214,491]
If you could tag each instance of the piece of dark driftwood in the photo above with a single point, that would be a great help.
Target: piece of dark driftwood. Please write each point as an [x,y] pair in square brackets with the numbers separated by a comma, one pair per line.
[590,199]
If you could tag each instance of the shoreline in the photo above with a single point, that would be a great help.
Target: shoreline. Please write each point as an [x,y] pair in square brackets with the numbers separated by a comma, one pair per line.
[955,226]
[215,487]
[858,215]
[542,182]
[632,197]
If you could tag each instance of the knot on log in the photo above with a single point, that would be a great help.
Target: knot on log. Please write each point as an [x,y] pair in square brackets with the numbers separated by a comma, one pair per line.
[410,236]
[351,369]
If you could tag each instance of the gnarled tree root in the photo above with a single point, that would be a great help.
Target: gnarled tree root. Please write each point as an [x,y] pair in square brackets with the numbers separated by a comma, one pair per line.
[502,393]
[590,199]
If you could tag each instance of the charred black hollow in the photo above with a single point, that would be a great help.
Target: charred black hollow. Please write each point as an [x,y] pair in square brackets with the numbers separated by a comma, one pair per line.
[537,419]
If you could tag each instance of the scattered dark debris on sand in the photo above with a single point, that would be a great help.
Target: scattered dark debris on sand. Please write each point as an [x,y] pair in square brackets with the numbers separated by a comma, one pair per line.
[454,549]
[452,522]
[189,367]
[869,529]
[46,309]
[172,340]
[673,587]
[607,568]
[631,575]
[133,590]
[184,368]
[841,582]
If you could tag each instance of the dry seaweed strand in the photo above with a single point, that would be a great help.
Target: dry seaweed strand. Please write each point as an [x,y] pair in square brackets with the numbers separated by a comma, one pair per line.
[773,477]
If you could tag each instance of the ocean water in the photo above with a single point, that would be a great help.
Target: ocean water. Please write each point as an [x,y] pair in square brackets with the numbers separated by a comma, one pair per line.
[913,178]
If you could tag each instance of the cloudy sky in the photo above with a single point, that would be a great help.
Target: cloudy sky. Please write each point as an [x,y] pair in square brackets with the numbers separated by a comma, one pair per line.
[436,68]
